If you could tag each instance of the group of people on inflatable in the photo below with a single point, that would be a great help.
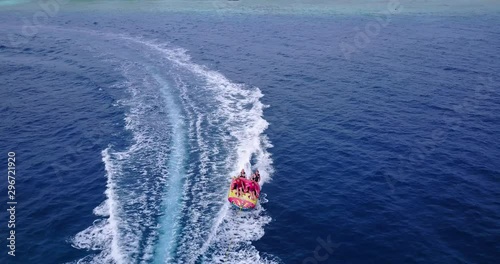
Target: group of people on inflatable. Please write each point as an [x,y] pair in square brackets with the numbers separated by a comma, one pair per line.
[244,186]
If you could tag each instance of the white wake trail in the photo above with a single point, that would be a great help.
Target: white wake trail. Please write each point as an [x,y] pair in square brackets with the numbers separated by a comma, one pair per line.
[241,113]
[227,134]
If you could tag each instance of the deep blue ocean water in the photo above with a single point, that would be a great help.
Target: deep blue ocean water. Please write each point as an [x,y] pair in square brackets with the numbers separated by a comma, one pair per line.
[127,127]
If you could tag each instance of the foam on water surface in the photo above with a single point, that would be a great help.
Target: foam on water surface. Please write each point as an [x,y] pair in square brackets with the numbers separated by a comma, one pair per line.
[192,129]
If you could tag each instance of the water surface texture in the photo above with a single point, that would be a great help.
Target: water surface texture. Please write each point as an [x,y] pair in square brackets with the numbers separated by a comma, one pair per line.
[375,130]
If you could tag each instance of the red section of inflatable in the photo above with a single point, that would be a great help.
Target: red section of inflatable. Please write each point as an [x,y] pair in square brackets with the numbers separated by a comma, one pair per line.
[244,200]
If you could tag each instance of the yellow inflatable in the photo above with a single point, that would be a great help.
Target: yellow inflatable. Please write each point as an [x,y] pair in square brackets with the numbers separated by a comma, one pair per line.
[244,201]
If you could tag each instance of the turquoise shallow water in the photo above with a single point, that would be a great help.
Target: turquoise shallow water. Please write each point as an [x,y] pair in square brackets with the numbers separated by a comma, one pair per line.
[374,148]
[269,7]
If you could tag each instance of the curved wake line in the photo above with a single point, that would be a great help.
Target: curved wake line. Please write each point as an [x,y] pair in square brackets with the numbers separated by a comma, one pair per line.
[168,221]
[112,207]
[239,125]
[251,141]
[146,170]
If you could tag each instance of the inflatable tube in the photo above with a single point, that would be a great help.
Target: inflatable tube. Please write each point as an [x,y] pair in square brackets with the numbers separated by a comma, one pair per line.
[244,201]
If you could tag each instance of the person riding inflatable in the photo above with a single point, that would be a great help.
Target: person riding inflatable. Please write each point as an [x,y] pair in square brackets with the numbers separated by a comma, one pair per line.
[244,193]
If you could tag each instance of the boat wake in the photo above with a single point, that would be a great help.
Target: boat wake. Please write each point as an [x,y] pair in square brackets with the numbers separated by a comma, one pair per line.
[191,129]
